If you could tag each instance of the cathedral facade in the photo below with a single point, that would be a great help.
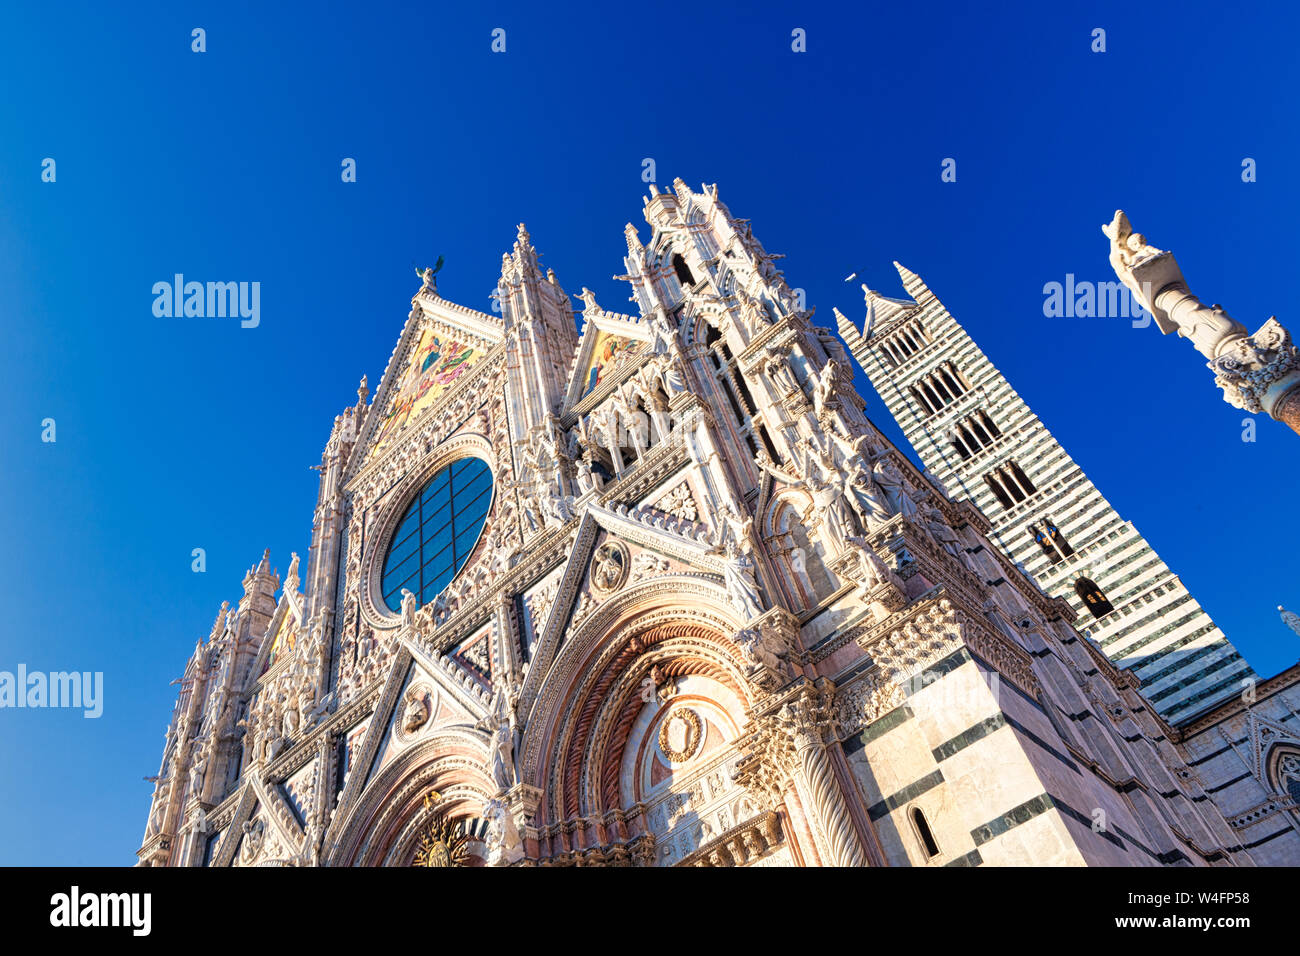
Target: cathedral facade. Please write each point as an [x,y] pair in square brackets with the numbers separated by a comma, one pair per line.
[660,594]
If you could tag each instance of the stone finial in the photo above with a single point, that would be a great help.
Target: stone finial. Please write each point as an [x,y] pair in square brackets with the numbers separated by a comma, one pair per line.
[633,239]
[363,390]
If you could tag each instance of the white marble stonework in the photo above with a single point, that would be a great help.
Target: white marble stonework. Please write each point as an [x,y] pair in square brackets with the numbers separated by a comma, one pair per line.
[677,602]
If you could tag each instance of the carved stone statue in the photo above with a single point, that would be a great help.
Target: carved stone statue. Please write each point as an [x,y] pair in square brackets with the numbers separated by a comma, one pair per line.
[500,724]
[289,722]
[254,835]
[753,311]
[942,532]
[416,714]
[764,647]
[198,769]
[826,392]
[777,367]
[159,815]
[1259,373]
[736,528]
[408,608]
[834,510]
[585,477]
[742,584]
[502,837]
[865,496]
[891,481]
[665,335]
[871,570]
[1128,249]
[670,374]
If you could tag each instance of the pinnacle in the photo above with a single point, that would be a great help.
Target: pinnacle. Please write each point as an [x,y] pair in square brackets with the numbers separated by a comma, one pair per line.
[907,275]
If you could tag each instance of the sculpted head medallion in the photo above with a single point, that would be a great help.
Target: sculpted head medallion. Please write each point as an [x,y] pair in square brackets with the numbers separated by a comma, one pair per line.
[610,566]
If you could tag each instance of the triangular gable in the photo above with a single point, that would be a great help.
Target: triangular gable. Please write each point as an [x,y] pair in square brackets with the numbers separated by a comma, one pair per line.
[536,606]
[295,789]
[684,540]
[438,360]
[439,345]
[456,695]
[282,634]
[1264,734]
[259,801]
[608,339]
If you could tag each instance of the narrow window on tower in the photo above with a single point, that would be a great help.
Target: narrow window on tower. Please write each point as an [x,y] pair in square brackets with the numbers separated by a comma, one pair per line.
[958,445]
[683,271]
[923,833]
[1093,597]
[998,491]
[989,426]
[1021,478]
[1050,539]
[922,399]
[952,378]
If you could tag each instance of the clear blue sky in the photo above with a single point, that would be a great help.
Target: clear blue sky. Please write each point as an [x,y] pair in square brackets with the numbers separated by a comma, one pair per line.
[174,434]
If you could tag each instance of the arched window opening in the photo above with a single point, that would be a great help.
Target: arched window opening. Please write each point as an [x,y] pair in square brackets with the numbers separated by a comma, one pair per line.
[1093,597]
[1021,478]
[958,444]
[1048,537]
[1286,774]
[998,491]
[950,378]
[683,272]
[767,444]
[924,834]
[989,426]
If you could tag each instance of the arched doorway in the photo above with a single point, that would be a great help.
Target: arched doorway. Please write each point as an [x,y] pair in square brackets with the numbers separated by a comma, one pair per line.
[423,809]
[633,739]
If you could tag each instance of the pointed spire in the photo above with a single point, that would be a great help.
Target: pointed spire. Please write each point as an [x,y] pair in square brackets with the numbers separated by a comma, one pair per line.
[524,260]
[219,624]
[911,281]
[847,330]
[633,239]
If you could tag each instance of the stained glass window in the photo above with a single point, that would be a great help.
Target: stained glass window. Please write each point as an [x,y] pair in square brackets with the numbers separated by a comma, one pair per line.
[437,532]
